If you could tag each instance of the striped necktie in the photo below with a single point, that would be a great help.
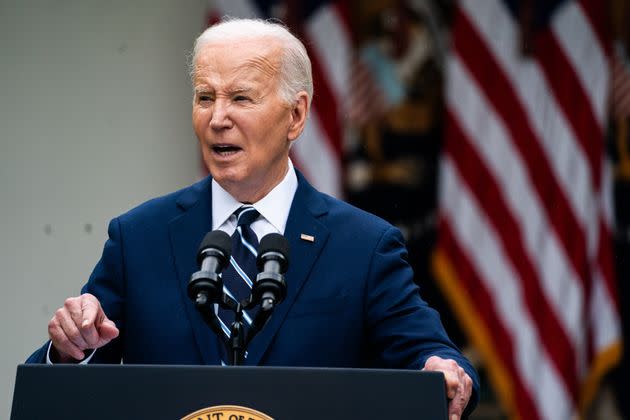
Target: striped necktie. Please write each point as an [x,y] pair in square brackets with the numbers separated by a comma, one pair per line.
[238,277]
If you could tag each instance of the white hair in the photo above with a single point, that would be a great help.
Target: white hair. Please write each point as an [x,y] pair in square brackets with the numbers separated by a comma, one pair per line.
[295,72]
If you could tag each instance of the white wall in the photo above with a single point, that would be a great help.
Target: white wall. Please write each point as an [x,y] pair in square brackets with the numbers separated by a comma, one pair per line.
[94,118]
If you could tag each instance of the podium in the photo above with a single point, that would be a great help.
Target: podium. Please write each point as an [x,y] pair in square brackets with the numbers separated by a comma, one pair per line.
[99,392]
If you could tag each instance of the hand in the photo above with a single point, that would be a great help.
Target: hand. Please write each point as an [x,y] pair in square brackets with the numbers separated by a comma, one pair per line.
[458,384]
[79,325]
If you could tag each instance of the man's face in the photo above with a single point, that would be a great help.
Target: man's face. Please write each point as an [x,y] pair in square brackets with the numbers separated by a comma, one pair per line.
[244,127]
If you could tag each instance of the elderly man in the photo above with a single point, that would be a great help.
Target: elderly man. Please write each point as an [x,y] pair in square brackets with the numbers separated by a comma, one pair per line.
[351,301]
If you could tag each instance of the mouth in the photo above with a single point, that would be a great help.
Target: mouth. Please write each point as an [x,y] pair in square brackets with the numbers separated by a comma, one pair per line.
[225,149]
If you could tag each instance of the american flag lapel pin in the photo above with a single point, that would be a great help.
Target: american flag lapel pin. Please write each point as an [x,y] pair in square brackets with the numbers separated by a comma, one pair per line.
[306,237]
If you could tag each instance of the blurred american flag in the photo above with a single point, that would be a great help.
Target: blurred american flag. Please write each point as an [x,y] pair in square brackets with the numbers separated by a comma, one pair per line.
[524,251]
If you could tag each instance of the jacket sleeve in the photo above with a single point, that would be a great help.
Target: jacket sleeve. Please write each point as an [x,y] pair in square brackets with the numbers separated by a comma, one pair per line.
[403,328]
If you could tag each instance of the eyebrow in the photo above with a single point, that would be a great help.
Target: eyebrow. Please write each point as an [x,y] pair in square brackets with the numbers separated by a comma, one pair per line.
[240,90]
[202,89]
[234,91]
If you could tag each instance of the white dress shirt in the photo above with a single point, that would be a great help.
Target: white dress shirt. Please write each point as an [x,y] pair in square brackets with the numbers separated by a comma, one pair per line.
[274,207]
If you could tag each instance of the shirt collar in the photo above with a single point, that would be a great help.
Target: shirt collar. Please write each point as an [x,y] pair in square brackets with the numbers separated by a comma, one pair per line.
[274,207]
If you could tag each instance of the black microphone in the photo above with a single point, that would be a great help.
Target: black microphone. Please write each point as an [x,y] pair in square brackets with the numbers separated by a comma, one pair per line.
[206,286]
[273,260]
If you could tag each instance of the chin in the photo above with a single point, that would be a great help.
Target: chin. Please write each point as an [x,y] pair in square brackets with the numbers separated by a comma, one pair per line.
[229,180]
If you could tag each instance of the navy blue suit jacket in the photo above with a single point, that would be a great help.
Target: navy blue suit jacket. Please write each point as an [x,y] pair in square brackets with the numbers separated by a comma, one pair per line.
[351,300]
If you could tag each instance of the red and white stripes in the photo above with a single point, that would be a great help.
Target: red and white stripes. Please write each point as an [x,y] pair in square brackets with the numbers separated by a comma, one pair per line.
[525,222]
[319,151]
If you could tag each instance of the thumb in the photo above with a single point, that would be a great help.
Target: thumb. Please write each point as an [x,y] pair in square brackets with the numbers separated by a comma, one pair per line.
[107,331]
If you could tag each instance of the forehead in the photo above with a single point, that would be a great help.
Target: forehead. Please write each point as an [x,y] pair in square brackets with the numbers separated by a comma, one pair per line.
[234,60]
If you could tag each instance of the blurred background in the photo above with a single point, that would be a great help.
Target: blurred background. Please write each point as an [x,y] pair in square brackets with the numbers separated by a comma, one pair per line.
[494,134]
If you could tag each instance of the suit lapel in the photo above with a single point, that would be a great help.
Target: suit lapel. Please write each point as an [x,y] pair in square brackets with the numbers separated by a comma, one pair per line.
[306,208]
[186,232]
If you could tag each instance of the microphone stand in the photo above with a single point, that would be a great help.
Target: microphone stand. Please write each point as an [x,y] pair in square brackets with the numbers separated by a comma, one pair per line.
[238,340]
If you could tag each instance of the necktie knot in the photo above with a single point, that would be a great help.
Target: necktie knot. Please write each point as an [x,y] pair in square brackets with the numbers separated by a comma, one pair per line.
[246,215]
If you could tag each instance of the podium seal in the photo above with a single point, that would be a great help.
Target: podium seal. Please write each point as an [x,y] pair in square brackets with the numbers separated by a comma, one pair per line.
[227,412]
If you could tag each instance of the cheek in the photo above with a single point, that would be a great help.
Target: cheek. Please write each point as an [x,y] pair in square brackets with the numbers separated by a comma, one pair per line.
[199,122]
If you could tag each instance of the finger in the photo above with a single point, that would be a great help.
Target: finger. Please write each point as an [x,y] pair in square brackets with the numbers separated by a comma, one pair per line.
[107,332]
[456,406]
[452,375]
[90,309]
[91,312]
[468,387]
[70,329]
[62,344]
[455,411]
[90,335]
[452,383]
[75,307]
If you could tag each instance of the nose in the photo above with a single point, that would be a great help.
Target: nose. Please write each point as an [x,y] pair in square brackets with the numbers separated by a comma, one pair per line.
[220,115]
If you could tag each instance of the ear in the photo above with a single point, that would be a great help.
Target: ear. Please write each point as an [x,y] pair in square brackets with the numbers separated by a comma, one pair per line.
[299,112]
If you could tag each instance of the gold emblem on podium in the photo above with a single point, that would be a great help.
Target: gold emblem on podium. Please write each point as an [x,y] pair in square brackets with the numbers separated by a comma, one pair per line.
[227,412]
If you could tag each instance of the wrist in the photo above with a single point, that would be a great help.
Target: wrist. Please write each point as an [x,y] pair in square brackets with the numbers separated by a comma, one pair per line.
[57,356]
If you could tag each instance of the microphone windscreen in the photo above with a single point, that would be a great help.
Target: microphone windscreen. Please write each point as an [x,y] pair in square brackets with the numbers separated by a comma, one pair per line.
[216,239]
[276,243]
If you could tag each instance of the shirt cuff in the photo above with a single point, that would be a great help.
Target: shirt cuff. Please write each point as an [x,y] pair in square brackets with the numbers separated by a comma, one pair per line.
[82,362]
